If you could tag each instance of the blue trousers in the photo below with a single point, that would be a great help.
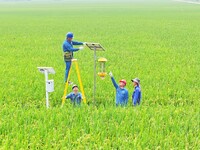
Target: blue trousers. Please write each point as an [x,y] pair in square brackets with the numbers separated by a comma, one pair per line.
[68,66]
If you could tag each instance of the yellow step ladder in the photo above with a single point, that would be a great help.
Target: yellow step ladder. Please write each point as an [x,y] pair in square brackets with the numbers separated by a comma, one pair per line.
[74,61]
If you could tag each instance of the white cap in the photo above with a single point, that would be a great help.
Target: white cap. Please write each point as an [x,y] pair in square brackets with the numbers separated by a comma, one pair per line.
[136,80]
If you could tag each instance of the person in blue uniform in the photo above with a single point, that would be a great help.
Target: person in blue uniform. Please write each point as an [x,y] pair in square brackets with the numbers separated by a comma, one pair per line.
[121,91]
[136,96]
[69,50]
[75,96]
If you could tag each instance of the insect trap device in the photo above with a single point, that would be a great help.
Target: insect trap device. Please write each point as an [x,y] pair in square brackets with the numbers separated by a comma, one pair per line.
[49,84]
[102,67]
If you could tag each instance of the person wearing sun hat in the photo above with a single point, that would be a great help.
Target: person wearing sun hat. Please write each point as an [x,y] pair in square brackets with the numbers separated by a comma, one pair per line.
[136,96]
[75,96]
[121,91]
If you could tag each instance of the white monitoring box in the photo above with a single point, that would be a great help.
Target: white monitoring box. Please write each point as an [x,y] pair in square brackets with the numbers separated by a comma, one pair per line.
[50,85]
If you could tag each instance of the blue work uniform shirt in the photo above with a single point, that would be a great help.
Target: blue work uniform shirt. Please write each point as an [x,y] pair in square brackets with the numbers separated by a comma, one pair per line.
[68,46]
[136,97]
[121,94]
[75,98]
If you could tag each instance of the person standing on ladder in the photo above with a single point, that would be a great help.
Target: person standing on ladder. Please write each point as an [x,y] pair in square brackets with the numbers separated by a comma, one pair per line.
[68,52]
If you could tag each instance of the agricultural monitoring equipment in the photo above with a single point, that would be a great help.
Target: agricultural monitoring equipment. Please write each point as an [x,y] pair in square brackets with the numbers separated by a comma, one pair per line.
[102,67]
[97,47]
[48,83]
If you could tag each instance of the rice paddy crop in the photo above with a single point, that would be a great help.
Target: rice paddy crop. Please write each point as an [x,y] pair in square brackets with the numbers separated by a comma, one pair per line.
[155,41]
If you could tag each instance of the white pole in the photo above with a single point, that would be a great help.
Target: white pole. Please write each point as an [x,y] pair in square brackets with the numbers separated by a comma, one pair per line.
[47,94]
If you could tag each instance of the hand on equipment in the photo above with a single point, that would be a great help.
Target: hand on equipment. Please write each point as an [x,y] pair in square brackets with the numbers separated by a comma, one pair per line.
[110,74]
[81,48]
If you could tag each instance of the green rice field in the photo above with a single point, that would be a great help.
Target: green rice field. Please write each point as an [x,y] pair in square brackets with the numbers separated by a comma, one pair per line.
[156,41]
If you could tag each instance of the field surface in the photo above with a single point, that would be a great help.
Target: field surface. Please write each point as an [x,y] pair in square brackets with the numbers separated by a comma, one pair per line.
[157,41]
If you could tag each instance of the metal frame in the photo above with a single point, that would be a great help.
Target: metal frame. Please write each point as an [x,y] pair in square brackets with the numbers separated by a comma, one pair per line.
[95,47]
